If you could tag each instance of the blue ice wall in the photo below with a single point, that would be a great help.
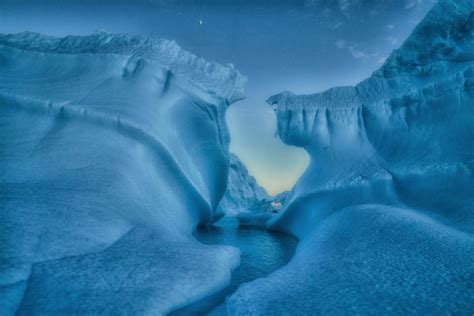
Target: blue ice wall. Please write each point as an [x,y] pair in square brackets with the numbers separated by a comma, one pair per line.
[113,149]
[385,211]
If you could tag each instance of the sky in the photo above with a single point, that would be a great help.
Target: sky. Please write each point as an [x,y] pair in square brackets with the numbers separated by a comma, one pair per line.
[304,46]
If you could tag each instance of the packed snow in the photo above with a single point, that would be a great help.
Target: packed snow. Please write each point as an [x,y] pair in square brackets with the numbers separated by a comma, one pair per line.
[385,211]
[114,148]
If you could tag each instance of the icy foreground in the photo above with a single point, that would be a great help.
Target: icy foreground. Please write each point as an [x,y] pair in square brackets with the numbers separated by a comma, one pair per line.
[113,149]
[385,211]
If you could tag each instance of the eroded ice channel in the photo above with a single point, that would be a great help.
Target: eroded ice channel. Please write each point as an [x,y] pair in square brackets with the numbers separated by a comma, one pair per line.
[262,252]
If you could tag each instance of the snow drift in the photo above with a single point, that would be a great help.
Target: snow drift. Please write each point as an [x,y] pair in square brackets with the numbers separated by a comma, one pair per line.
[113,149]
[385,211]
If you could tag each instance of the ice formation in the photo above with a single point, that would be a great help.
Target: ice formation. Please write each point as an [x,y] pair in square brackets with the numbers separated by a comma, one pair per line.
[246,199]
[113,149]
[243,193]
[385,211]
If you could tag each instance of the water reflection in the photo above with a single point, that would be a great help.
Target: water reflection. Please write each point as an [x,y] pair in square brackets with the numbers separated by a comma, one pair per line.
[262,253]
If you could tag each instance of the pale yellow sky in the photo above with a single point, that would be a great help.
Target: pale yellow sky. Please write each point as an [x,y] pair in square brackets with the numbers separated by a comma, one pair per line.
[275,166]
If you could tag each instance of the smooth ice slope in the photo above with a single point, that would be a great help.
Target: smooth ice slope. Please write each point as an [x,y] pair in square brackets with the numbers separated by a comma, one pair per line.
[243,193]
[113,149]
[385,211]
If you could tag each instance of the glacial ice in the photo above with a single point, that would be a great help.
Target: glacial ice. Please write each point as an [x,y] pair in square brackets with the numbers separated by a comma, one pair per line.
[246,199]
[244,194]
[114,148]
[385,211]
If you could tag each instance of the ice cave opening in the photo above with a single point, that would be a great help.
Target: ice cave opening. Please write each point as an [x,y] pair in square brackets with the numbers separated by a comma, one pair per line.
[143,177]
[115,176]
[247,207]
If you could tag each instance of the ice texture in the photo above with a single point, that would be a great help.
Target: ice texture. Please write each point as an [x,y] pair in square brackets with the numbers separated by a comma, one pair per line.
[246,199]
[113,149]
[385,210]
[244,194]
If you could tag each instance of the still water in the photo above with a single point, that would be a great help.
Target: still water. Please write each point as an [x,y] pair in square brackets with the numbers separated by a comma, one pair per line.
[262,252]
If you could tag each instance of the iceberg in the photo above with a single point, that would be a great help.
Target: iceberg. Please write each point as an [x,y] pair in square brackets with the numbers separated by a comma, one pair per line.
[113,149]
[244,194]
[385,210]
[246,199]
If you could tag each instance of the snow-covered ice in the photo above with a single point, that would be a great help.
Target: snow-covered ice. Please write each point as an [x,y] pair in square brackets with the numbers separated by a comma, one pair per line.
[385,211]
[246,199]
[244,194]
[113,149]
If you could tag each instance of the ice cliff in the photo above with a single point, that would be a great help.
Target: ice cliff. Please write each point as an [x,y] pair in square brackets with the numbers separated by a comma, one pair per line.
[243,193]
[385,211]
[113,149]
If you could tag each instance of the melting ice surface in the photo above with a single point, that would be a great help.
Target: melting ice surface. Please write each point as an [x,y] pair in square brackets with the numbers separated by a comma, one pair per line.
[262,252]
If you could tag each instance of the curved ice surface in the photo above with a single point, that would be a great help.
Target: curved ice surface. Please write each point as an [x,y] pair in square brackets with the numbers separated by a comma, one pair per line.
[113,149]
[385,211]
[215,79]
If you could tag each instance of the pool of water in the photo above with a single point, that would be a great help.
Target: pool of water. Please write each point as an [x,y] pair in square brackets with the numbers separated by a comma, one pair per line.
[262,253]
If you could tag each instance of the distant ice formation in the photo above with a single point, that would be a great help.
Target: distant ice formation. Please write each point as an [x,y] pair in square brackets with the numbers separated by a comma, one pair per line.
[243,193]
[246,199]
[113,149]
[385,211]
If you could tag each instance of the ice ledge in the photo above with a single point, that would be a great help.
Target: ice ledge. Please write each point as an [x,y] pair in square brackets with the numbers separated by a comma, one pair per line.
[338,97]
[222,81]
[299,115]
